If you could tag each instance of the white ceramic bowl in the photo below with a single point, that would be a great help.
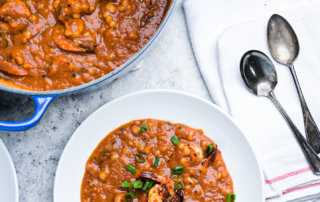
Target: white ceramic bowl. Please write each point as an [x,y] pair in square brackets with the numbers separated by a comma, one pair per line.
[168,105]
[8,178]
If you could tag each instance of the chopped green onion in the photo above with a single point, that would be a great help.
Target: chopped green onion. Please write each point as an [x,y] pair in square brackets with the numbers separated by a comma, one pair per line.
[143,128]
[126,184]
[175,140]
[131,168]
[169,123]
[231,197]
[7,44]
[209,149]
[178,185]
[140,158]
[151,184]
[137,184]
[178,170]
[156,161]
[129,196]
[146,185]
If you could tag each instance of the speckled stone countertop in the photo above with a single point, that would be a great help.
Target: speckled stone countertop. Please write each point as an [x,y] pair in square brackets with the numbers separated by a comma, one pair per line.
[36,152]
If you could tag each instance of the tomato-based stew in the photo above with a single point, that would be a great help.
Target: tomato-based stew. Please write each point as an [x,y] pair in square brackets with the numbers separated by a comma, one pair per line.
[153,160]
[58,44]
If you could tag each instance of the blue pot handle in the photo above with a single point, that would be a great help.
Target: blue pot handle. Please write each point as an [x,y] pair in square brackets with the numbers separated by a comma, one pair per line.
[41,103]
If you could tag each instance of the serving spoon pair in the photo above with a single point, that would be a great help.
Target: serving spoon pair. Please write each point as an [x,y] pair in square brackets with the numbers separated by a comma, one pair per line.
[259,74]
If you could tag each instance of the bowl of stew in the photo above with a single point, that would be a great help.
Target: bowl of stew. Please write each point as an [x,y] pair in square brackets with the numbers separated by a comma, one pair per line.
[156,160]
[50,48]
[158,145]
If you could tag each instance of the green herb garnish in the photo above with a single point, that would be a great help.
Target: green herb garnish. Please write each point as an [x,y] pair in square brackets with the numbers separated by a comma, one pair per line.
[178,170]
[129,196]
[143,128]
[131,168]
[178,185]
[126,184]
[175,140]
[231,197]
[156,161]
[209,149]
[7,44]
[140,158]
[137,184]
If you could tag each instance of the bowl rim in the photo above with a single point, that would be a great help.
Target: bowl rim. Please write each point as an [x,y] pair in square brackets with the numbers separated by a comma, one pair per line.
[12,169]
[108,76]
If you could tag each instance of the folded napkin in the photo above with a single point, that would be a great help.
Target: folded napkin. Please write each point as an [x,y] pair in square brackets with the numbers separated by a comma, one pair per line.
[218,52]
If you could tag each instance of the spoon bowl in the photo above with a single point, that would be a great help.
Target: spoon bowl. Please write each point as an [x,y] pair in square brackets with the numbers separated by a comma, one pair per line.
[282,40]
[258,73]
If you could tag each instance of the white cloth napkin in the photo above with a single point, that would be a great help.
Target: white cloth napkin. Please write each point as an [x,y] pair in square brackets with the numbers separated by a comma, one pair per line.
[218,52]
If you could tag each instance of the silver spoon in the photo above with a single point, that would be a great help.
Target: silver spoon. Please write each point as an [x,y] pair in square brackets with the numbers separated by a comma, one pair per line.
[284,48]
[260,76]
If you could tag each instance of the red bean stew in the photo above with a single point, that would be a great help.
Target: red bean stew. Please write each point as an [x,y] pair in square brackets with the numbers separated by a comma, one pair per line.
[58,44]
[153,160]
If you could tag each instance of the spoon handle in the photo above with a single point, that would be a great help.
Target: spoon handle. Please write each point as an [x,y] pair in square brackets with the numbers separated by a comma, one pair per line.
[310,154]
[311,129]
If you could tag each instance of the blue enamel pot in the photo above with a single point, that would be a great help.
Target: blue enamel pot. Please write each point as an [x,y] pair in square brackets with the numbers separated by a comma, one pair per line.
[42,99]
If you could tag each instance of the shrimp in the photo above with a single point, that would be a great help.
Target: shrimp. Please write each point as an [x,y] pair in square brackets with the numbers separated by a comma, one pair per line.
[156,193]
[165,191]
[15,14]
[12,69]
[72,45]
[191,150]
[74,28]
[120,197]
[74,8]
